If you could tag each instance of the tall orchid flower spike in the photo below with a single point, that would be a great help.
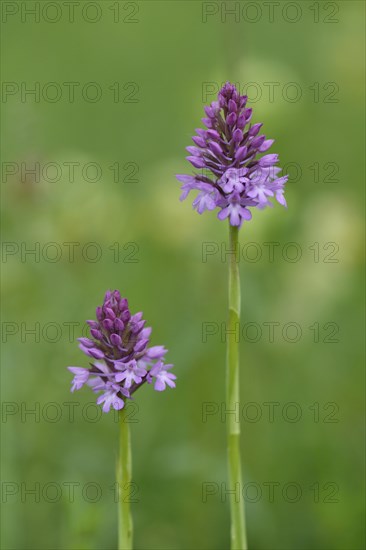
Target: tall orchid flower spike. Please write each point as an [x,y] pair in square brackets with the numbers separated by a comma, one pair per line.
[234,174]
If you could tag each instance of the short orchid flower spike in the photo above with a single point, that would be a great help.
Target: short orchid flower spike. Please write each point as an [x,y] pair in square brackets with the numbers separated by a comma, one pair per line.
[120,357]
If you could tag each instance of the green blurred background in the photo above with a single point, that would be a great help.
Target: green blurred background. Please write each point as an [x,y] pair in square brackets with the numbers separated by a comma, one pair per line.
[169,50]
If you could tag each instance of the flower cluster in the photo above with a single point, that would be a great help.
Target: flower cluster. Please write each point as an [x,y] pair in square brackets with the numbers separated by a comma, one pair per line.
[121,357]
[232,176]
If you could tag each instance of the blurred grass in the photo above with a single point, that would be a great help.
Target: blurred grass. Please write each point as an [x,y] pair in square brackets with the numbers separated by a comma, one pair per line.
[170,53]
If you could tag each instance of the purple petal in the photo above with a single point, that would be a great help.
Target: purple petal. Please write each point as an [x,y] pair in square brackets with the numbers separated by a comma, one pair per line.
[116,339]
[169,381]
[86,342]
[246,214]
[118,324]
[255,129]
[231,119]
[110,313]
[108,324]
[237,135]
[199,141]
[212,134]
[196,162]
[215,148]
[266,145]
[241,122]
[96,334]
[194,151]
[241,153]
[159,385]
[257,142]
[145,333]
[141,345]
[77,370]
[184,178]
[223,214]
[156,352]
[123,304]
[268,160]
[281,199]
[92,352]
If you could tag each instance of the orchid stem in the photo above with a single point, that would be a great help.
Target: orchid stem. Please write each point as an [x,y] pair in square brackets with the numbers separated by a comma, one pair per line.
[237,533]
[124,476]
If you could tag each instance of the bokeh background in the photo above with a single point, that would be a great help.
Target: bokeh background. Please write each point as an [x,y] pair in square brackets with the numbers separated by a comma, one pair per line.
[176,54]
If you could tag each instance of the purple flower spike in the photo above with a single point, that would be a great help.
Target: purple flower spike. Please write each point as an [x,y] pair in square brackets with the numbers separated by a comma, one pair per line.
[122,358]
[234,174]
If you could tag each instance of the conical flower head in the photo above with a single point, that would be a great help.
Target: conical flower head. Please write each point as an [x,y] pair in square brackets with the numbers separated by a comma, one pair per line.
[234,174]
[122,358]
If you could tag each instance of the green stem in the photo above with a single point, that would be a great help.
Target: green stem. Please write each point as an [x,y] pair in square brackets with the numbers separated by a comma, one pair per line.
[238,536]
[124,475]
